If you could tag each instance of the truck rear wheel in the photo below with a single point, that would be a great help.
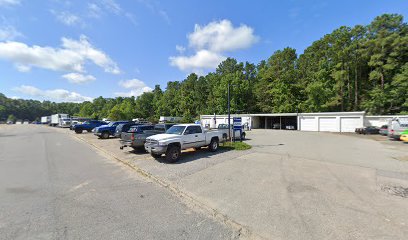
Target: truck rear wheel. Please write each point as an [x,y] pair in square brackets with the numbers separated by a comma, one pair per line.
[173,154]
[214,145]
[78,130]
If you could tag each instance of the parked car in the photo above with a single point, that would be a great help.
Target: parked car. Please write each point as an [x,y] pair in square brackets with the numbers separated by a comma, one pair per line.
[105,131]
[136,136]
[124,127]
[404,136]
[87,126]
[276,126]
[367,130]
[396,126]
[224,129]
[180,137]
[370,130]
[384,130]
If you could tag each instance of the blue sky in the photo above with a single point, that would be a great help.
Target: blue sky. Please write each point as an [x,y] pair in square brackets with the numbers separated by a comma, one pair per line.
[63,50]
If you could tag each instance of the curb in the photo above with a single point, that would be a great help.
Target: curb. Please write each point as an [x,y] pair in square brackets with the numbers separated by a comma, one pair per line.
[242,232]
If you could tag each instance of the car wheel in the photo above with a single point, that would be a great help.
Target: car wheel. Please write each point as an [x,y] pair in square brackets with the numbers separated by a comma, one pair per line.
[155,155]
[105,135]
[243,136]
[214,145]
[173,154]
[89,130]
[78,130]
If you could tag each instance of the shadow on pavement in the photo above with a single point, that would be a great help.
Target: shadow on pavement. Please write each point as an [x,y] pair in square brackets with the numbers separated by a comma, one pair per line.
[191,155]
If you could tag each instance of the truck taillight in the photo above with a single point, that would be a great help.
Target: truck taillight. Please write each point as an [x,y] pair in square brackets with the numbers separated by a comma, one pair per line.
[132,137]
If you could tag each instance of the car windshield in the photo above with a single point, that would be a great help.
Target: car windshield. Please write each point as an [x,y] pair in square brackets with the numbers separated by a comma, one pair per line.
[176,130]
[111,124]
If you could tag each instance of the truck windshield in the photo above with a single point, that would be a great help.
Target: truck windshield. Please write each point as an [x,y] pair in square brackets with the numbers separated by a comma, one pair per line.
[176,130]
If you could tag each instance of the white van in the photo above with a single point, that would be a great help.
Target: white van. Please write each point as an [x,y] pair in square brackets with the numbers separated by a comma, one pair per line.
[396,126]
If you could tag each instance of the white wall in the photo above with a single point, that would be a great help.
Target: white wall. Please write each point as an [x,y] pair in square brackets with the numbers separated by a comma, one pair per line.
[336,119]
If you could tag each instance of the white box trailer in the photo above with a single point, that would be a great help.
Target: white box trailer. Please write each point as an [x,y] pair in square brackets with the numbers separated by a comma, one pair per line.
[164,119]
[55,118]
[44,119]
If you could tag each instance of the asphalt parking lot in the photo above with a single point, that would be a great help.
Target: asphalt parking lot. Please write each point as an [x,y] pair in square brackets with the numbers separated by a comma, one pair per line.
[293,185]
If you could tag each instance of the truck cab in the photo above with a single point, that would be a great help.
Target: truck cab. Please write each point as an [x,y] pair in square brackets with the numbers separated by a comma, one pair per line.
[105,131]
[87,126]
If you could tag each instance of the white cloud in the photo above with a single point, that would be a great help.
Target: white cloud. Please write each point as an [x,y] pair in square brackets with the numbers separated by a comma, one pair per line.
[203,59]
[94,10]
[22,68]
[59,95]
[136,87]
[112,6]
[9,2]
[209,44]
[180,49]
[97,9]
[78,78]
[9,33]
[68,18]
[155,7]
[221,36]
[71,57]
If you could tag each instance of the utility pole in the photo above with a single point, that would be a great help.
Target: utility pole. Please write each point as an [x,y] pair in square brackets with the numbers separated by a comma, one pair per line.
[229,113]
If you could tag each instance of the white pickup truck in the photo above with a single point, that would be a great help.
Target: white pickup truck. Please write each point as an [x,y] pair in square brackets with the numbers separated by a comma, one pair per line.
[180,137]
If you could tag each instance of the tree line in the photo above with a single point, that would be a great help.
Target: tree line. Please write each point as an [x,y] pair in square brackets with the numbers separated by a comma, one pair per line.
[351,69]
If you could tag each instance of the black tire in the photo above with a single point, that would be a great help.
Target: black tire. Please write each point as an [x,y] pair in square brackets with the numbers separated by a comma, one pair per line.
[155,155]
[78,130]
[173,154]
[89,130]
[225,137]
[243,135]
[214,145]
[105,135]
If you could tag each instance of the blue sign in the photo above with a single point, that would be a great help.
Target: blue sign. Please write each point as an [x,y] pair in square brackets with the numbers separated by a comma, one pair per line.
[237,123]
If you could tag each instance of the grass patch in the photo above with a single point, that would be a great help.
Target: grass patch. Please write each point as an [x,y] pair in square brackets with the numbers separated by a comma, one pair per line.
[236,145]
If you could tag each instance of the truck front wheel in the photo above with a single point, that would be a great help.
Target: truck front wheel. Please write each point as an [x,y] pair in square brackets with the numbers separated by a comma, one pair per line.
[105,135]
[155,155]
[173,154]
[214,145]
[78,130]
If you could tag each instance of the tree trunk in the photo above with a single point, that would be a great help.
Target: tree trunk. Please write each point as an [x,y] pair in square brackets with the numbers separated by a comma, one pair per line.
[382,81]
[355,89]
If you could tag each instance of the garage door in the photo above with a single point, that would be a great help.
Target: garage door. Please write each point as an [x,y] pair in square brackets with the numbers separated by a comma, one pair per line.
[349,124]
[327,124]
[308,124]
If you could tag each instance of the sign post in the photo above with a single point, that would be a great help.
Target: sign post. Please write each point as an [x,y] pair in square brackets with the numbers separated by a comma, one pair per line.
[237,123]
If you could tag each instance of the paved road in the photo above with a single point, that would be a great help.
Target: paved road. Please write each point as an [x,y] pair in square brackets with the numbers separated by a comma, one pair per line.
[55,187]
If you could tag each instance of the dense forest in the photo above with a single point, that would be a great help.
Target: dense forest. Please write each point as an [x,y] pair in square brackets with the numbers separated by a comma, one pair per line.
[351,69]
